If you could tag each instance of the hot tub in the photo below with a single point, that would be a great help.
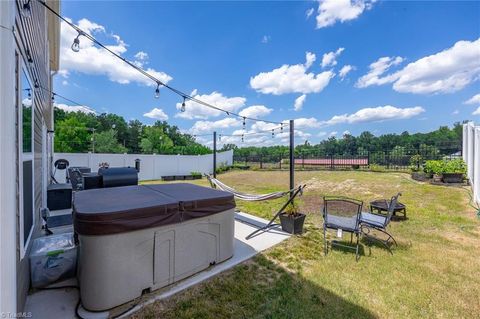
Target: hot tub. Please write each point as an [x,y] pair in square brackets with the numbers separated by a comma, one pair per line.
[141,238]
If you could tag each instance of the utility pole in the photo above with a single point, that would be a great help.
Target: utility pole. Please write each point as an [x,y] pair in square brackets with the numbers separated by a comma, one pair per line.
[93,140]
[215,154]
[292,157]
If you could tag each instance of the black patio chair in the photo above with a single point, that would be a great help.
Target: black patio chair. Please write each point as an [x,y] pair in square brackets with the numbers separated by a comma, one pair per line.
[342,213]
[370,222]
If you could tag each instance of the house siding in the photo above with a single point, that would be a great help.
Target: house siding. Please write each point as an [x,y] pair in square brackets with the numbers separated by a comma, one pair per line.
[32,34]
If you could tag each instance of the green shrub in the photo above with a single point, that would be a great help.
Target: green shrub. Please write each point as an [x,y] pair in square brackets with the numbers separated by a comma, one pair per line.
[433,167]
[439,167]
[455,166]
[416,163]
[195,173]
[377,168]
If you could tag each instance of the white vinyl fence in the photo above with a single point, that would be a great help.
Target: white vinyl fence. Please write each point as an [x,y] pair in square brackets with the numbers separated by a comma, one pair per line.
[151,166]
[471,156]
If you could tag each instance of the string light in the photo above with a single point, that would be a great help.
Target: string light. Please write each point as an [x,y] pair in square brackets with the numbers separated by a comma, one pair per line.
[157,91]
[53,97]
[76,47]
[242,138]
[29,56]
[273,133]
[182,109]
[219,137]
[36,85]
[76,43]
[27,10]
[281,127]
[29,93]
[244,123]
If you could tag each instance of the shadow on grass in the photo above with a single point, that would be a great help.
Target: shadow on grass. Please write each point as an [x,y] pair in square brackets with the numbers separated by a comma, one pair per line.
[256,289]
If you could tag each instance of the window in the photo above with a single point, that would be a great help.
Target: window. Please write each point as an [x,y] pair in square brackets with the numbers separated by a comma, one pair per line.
[25,120]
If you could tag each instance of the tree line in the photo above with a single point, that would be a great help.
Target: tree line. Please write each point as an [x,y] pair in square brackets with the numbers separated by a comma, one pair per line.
[444,140]
[78,132]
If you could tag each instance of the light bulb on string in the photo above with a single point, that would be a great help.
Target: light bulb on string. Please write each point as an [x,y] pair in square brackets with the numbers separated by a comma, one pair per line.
[244,123]
[76,43]
[273,134]
[27,10]
[281,127]
[183,105]
[242,138]
[53,97]
[157,91]
[29,94]
[219,137]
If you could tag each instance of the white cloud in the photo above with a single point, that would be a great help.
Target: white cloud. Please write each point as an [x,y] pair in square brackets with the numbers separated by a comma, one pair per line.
[447,71]
[345,70]
[74,108]
[473,100]
[377,69]
[332,134]
[194,110]
[309,12]
[376,114]
[266,39]
[156,114]
[346,132]
[477,111]
[96,61]
[331,11]
[322,134]
[455,112]
[255,111]
[292,79]
[210,126]
[330,58]
[299,102]
[306,123]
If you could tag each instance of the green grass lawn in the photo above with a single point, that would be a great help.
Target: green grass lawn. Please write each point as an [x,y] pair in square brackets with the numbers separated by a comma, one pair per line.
[433,273]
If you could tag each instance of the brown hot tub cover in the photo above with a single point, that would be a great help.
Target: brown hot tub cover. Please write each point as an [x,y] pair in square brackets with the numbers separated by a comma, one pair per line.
[196,201]
[123,209]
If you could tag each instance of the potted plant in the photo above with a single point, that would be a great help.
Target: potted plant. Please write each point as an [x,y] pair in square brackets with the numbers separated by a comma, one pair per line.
[416,168]
[453,171]
[434,169]
[292,220]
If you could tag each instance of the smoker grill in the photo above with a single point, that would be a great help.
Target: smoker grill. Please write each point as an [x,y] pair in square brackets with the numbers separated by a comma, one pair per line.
[118,176]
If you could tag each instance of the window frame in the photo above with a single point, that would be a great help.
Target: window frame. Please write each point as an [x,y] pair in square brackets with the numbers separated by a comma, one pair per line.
[24,156]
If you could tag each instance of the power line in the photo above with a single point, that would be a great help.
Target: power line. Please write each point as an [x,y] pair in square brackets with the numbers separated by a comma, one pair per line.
[158,82]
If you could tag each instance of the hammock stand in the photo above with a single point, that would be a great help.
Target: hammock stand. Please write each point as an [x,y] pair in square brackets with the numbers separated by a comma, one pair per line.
[215,183]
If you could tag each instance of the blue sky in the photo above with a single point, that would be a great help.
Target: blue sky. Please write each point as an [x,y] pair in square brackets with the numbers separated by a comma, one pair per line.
[412,65]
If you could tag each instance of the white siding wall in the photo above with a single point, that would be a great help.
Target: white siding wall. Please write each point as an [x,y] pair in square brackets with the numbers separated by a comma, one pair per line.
[151,166]
[8,218]
[471,155]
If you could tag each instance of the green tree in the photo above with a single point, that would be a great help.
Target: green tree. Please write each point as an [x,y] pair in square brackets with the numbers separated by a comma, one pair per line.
[72,136]
[106,142]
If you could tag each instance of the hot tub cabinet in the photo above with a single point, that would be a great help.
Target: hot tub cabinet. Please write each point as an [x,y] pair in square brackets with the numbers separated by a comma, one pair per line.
[141,238]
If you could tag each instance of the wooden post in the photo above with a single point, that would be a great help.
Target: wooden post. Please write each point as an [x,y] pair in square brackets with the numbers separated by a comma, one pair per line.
[292,157]
[215,154]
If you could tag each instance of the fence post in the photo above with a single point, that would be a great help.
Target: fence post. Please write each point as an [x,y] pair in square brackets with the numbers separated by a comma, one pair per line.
[261,161]
[368,158]
[332,162]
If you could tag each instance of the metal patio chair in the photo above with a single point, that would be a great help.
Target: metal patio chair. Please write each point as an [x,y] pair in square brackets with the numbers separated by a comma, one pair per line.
[378,222]
[343,215]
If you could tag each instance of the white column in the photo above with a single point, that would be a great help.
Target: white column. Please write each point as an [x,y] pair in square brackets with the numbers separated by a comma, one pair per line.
[465,142]
[8,234]
[476,163]
[470,146]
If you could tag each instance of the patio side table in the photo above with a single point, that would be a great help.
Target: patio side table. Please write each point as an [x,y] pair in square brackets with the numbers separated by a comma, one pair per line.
[380,206]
